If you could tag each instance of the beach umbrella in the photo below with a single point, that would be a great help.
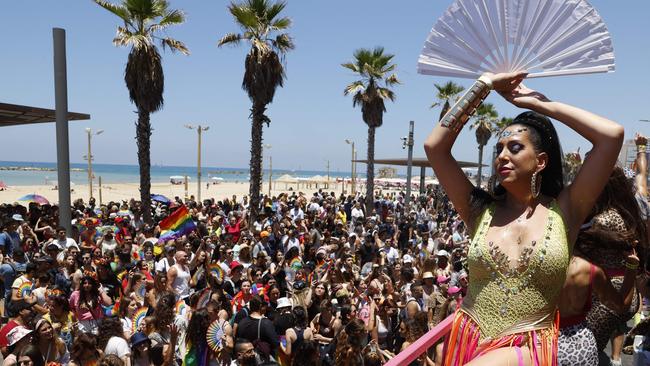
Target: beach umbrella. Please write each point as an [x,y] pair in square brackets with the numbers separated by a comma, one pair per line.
[160,198]
[34,198]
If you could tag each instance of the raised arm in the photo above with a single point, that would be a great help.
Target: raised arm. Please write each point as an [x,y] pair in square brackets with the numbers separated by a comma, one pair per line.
[641,164]
[439,143]
[606,137]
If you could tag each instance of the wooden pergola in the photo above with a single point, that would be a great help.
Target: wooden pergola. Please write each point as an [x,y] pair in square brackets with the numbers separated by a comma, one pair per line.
[14,114]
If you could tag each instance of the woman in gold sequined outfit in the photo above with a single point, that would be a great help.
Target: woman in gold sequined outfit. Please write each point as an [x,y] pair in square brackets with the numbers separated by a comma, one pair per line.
[524,228]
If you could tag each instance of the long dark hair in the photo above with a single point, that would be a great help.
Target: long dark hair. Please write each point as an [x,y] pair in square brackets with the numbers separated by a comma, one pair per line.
[34,354]
[544,138]
[197,327]
[619,195]
[91,297]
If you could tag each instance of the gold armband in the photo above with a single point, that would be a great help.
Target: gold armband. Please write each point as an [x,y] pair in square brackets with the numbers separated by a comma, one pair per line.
[458,115]
[641,148]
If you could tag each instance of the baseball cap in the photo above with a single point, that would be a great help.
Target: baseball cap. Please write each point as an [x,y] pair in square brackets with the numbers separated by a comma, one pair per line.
[235,264]
[407,258]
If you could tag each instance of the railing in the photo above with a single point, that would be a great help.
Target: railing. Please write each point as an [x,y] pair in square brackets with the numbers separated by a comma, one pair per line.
[423,344]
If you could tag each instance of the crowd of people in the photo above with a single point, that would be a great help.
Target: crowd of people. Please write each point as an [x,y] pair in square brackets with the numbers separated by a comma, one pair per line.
[316,278]
[536,269]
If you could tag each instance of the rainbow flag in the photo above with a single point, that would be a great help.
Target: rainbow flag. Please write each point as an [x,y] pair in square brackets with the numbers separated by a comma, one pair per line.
[176,225]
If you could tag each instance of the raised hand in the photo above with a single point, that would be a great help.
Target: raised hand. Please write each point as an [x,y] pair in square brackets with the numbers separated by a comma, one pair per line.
[524,97]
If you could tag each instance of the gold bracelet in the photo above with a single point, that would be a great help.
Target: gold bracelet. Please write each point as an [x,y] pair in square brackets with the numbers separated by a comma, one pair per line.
[458,115]
[641,148]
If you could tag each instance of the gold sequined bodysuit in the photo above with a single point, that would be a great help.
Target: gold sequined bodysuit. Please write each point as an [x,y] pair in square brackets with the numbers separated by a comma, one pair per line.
[505,301]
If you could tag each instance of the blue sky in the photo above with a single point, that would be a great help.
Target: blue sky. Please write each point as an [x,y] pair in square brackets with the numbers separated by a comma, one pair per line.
[310,116]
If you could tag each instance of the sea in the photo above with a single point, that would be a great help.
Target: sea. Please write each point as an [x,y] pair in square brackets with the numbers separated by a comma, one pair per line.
[46,173]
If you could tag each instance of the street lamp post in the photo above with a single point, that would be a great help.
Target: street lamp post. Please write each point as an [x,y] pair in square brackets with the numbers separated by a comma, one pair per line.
[352,172]
[89,157]
[199,130]
[407,143]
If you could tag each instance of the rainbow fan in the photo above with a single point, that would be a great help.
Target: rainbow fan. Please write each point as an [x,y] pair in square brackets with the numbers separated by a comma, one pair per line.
[138,317]
[204,298]
[25,289]
[217,271]
[214,336]
[181,308]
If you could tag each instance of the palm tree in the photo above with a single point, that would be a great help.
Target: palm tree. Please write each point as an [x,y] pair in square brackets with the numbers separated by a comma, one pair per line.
[262,27]
[374,68]
[446,92]
[144,21]
[485,121]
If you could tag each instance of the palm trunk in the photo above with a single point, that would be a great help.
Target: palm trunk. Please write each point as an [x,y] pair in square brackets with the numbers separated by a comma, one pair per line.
[480,166]
[370,173]
[143,137]
[256,160]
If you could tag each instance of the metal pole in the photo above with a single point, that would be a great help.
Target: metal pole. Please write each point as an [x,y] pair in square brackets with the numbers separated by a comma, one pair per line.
[186,188]
[423,188]
[90,167]
[198,168]
[328,174]
[352,187]
[354,178]
[62,147]
[100,190]
[270,173]
[409,167]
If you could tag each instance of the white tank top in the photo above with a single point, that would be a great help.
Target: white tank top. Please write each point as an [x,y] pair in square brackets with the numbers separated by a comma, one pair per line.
[181,283]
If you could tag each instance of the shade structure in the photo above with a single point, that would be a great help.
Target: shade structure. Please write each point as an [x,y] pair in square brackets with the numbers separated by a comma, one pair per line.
[14,114]
[419,162]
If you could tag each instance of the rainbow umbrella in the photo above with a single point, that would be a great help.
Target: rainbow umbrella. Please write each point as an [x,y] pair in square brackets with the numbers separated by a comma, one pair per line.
[34,198]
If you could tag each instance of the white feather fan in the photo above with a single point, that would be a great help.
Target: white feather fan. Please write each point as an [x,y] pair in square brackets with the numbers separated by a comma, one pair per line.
[544,37]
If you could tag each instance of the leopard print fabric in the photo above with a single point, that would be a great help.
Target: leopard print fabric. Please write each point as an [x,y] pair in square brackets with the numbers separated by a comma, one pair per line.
[603,322]
[605,257]
[577,346]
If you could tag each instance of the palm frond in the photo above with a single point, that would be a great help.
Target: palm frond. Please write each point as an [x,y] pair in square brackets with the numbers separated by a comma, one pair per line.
[230,38]
[351,66]
[386,93]
[172,17]
[392,80]
[354,87]
[244,17]
[283,43]
[117,9]
[175,45]
[281,24]
[144,9]
[125,37]
[274,10]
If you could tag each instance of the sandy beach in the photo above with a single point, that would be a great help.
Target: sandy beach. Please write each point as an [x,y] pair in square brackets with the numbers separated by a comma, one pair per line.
[126,191]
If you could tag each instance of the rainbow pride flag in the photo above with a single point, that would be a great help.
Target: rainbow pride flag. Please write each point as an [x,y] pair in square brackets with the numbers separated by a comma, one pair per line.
[177,224]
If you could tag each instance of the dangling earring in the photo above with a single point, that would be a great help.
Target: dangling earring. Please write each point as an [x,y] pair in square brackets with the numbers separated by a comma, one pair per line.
[491,185]
[534,189]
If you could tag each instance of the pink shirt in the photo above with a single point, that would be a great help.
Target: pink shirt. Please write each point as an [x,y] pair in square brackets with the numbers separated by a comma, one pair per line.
[81,313]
